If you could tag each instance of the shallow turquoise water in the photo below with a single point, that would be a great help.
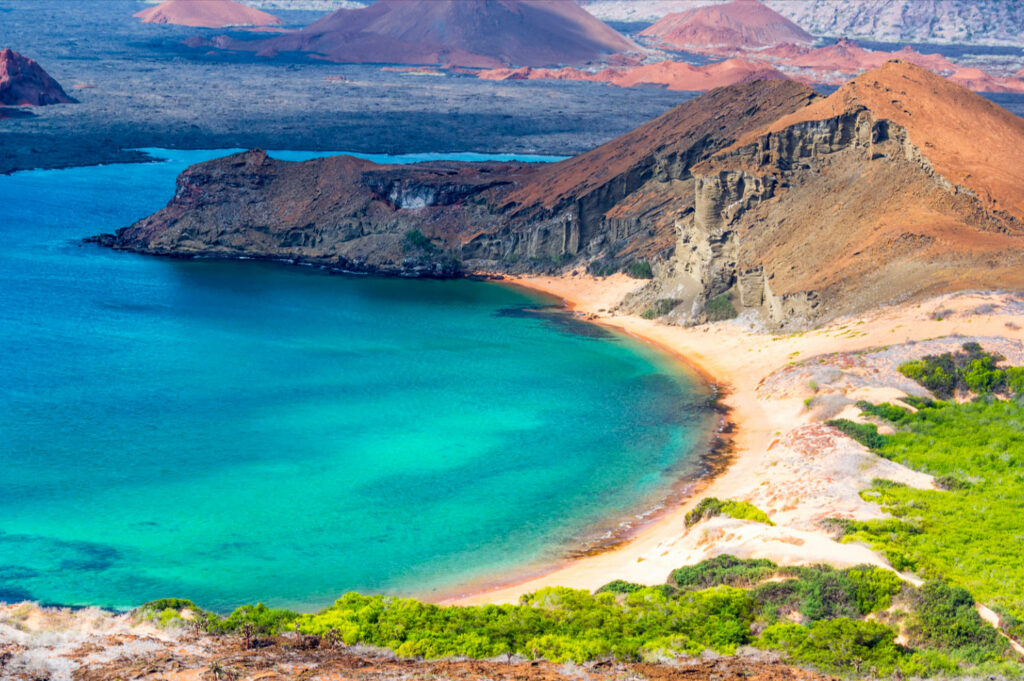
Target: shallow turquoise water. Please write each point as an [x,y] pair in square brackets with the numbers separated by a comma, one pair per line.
[232,432]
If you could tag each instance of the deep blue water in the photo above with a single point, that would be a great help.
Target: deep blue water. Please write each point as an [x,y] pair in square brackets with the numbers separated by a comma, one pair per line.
[232,432]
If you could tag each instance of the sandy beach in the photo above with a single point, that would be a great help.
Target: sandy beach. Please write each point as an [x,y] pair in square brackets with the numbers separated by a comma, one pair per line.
[785,460]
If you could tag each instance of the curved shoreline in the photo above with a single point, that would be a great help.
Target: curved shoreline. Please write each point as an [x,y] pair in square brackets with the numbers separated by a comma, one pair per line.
[768,429]
[716,454]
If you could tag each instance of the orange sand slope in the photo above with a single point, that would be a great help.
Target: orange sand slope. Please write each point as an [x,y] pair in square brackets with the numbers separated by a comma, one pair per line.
[206,14]
[738,24]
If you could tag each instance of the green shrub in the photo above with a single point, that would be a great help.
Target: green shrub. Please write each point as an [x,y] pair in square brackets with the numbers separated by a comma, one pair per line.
[865,433]
[723,569]
[603,268]
[719,309]
[888,412]
[944,618]
[710,507]
[620,586]
[640,269]
[971,369]
[661,307]
[840,645]
[821,592]
[415,240]
[167,612]
[263,620]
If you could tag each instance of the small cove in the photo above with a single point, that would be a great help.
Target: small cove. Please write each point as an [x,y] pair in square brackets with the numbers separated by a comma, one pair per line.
[241,431]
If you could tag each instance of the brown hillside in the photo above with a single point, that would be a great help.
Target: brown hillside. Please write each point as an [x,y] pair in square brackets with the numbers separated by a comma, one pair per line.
[969,140]
[697,128]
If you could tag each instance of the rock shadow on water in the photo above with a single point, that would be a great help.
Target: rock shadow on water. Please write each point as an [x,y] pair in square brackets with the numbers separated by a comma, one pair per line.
[559,319]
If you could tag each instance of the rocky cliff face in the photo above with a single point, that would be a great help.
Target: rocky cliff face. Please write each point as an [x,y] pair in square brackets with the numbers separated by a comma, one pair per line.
[761,197]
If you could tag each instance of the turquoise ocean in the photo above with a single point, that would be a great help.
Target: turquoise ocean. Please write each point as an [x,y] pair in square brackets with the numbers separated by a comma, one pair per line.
[234,432]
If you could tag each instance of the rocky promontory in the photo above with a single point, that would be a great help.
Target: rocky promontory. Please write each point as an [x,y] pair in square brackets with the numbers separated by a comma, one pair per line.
[764,196]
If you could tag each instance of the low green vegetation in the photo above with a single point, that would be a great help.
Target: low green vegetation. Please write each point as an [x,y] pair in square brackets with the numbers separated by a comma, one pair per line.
[970,369]
[603,267]
[841,621]
[968,532]
[415,240]
[864,433]
[639,269]
[709,507]
[661,307]
[720,308]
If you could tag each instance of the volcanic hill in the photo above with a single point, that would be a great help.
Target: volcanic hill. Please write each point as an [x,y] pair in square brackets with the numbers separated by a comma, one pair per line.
[23,82]
[794,205]
[472,33]
[206,14]
[734,25]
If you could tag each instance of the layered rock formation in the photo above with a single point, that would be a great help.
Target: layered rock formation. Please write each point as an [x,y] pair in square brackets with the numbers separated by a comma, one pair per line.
[474,33]
[23,82]
[206,13]
[741,24]
[796,206]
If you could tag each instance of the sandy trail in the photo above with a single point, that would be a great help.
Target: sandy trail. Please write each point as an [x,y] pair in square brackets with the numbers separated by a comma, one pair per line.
[785,461]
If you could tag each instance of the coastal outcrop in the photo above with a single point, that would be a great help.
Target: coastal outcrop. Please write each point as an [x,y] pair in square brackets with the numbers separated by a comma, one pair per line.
[353,214]
[763,197]
[206,14]
[23,82]
[468,33]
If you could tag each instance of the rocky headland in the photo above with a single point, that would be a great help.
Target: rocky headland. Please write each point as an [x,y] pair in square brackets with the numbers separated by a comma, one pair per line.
[722,196]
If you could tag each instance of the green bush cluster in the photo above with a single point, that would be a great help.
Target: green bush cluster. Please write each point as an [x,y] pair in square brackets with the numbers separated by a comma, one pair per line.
[604,267]
[865,433]
[724,569]
[970,530]
[970,369]
[415,240]
[661,307]
[639,269]
[717,605]
[709,507]
[556,623]
[720,308]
